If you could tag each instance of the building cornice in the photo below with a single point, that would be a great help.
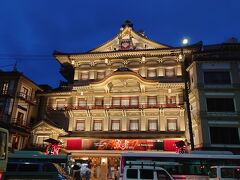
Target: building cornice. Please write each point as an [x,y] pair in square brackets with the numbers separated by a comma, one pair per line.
[125,134]
[73,58]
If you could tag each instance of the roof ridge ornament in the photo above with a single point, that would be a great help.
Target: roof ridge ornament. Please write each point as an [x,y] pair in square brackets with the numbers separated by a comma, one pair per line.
[127,23]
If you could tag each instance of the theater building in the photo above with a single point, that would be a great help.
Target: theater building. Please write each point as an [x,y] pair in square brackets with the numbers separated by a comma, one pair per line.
[125,95]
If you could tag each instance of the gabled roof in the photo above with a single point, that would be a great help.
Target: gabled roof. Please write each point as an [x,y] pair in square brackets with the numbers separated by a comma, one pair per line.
[139,40]
[49,124]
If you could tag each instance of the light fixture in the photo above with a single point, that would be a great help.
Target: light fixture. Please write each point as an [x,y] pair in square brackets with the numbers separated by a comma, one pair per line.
[106,60]
[180,56]
[81,93]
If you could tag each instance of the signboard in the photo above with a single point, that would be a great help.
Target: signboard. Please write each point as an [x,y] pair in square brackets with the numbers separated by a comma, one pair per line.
[114,144]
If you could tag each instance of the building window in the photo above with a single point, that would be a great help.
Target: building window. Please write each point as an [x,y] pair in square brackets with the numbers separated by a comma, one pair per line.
[171,100]
[20,118]
[134,125]
[99,101]
[84,76]
[125,101]
[5,87]
[172,124]
[134,101]
[180,99]
[220,105]
[152,100]
[115,125]
[224,135]
[80,125]
[152,125]
[152,72]
[100,75]
[116,101]
[60,104]
[40,140]
[169,72]
[217,77]
[15,141]
[24,92]
[82,102]
[97,125]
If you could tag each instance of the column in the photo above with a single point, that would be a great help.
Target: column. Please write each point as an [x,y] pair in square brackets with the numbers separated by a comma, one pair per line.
[181,120]
[162,120]
[71,125]
[105,123]
[143,122]
[92,74]
[76,74]
[88,123]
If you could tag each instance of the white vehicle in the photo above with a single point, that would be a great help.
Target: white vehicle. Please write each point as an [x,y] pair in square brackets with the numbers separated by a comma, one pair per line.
[144,170]
[224,172]
[194,165]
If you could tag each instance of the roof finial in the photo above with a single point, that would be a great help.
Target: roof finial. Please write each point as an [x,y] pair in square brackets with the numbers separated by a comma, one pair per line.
[127,23]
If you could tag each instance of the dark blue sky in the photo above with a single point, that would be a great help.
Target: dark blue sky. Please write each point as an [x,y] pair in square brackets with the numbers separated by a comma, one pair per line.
[31,30]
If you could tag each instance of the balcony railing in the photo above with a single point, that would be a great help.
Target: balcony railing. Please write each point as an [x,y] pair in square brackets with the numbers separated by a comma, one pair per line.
[27,98]
[139,106]
[19,123]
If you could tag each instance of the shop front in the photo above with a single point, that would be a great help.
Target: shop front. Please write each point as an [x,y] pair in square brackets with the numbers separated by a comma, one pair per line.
[102,156]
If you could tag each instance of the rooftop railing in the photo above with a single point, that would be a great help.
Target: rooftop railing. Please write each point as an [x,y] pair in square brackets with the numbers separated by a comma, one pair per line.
[91,107]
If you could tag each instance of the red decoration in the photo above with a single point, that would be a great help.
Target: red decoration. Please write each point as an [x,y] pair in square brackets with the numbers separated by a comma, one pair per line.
[52,149]
[74,144]
[169,145]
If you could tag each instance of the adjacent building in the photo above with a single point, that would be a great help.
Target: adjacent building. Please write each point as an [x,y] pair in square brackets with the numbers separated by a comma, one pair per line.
[214,95]
[18,107]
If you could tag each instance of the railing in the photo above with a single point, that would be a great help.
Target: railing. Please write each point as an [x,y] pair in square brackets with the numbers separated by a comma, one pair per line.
[27,98]
[139,106]
[20,123]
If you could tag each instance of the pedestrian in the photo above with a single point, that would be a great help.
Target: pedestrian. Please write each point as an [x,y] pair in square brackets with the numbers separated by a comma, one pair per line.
[76,172]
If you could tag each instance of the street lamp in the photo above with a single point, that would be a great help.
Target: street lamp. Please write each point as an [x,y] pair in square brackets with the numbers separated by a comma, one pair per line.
[186,82]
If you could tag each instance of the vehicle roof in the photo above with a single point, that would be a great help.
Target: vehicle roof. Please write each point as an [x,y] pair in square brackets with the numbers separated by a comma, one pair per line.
[143,167]
[175,155]
[225,166]
[34,155]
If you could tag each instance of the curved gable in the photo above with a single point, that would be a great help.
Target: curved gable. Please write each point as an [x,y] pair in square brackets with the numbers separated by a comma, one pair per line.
[128,39]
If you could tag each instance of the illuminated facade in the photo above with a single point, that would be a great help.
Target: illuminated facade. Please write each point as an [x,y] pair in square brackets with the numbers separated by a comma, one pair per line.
[129,95]
[126,95]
